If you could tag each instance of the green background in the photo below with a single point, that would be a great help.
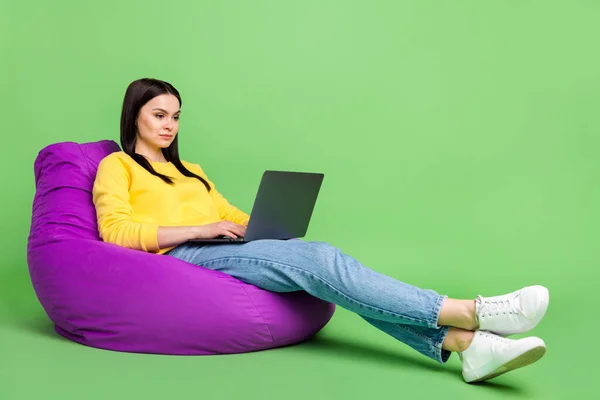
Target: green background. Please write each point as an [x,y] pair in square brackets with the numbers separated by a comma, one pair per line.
[459,142]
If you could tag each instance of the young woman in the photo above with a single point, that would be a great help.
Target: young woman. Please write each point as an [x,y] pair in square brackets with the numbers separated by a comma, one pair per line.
[148,199]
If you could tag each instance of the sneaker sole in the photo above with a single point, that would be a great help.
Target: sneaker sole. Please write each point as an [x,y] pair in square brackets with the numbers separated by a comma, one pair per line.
[529,357]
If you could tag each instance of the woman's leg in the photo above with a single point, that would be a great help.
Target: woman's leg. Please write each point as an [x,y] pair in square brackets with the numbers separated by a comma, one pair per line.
[436,344]
[406,312]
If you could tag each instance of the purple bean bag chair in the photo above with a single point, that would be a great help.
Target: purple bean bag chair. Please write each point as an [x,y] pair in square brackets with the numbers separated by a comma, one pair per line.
[106,296]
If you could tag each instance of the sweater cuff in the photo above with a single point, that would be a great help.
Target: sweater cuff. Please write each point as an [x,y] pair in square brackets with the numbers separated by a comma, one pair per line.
[149,237]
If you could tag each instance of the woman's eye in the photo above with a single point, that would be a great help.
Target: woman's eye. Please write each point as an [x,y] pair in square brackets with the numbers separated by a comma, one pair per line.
[160,116]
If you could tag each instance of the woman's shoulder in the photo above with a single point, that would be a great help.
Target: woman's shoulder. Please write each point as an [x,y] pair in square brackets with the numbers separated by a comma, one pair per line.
[117,157]
[188,164]
[194,167]
[115,162]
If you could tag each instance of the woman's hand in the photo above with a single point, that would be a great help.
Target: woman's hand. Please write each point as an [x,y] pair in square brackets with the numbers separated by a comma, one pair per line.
[216,229]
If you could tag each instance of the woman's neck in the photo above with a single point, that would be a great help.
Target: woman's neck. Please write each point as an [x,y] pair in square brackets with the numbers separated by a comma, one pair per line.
[151,155]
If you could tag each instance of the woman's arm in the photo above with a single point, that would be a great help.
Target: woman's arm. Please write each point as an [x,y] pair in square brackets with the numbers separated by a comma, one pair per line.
[226,210]
[170,236]
[114,212]
[174,235]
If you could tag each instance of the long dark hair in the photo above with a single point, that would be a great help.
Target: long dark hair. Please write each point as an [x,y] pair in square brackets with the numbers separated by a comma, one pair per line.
[138,93]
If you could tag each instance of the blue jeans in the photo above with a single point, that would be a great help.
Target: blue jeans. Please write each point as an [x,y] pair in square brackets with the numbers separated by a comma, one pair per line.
[407,313]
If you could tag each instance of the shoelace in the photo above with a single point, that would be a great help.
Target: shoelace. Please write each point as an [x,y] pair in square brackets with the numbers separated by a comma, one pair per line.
[497,307]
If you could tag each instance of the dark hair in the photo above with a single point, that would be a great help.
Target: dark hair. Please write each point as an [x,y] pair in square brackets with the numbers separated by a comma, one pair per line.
[138,93]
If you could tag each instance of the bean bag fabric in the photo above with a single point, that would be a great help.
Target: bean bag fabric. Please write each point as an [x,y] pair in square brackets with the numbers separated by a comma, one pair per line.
[106,296]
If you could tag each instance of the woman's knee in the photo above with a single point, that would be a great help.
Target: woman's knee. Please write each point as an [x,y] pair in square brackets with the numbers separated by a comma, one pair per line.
[325,255]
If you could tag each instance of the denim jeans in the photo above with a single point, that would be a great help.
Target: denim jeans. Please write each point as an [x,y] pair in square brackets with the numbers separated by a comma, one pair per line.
[407,313]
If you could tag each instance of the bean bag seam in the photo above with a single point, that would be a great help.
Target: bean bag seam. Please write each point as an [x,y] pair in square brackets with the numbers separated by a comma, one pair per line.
[258,311]
[87,163]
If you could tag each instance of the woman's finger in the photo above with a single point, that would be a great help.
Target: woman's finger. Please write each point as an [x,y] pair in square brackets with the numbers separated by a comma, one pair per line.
[231,234]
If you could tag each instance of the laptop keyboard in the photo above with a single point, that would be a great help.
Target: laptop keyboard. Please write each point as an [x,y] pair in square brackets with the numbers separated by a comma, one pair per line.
[230,239]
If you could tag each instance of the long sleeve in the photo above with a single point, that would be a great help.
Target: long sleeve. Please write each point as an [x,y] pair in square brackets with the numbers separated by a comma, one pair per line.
[114,211]
[226,210]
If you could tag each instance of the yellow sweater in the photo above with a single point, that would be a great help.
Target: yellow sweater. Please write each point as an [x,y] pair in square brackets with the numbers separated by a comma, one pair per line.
[131,203]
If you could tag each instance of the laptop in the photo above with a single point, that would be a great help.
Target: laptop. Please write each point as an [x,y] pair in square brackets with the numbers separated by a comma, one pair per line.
[282,208]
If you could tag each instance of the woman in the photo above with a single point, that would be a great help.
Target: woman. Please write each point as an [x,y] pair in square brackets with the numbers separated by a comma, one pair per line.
[148,199]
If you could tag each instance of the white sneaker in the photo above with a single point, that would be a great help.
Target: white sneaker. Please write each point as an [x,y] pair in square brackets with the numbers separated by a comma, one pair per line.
[490,355]
[512,313]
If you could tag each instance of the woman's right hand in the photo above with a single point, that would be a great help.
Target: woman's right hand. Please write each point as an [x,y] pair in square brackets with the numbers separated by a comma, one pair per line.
[221,228]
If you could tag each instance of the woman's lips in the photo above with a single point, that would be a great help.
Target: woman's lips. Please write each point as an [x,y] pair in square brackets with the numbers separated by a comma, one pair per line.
[166,137]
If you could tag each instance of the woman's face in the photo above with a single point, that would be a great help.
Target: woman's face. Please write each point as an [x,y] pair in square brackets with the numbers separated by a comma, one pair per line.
[158,122]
